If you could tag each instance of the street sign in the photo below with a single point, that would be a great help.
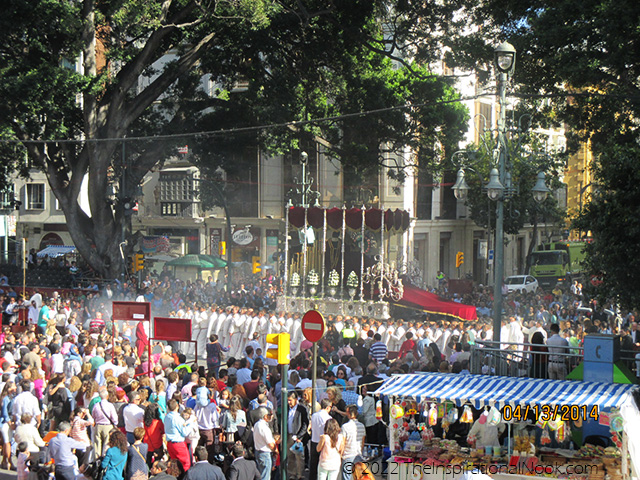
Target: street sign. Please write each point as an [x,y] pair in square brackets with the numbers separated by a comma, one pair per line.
[491,254]
[313,326]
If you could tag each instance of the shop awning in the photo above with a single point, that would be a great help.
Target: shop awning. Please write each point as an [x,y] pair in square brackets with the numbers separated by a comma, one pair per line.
[431,303]
[56,251]
[484,390]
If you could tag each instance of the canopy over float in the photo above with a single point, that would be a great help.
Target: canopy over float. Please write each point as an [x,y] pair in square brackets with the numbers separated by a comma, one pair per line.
[353,262]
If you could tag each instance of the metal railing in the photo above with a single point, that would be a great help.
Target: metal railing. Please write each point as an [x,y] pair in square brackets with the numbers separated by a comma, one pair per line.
[519,360]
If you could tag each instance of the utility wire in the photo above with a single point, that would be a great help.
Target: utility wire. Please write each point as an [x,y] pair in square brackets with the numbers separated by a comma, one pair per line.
[230,131]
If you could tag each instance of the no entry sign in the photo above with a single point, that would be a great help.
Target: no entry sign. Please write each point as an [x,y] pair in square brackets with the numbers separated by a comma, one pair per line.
[313,326]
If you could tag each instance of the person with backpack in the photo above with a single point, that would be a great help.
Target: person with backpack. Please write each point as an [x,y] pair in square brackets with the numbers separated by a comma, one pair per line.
[137,468]
[114,461]
[106,418]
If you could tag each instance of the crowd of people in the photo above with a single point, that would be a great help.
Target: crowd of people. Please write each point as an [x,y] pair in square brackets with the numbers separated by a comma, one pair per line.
[149,412]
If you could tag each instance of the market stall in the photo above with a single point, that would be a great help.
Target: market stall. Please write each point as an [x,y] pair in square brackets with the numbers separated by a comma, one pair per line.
[442,426]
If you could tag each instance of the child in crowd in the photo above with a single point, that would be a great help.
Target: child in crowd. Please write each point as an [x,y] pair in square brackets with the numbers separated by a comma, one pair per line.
[23,461]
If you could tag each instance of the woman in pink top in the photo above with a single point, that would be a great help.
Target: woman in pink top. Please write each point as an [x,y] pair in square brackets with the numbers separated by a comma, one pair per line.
[330,447]
[38,383]
[80,420]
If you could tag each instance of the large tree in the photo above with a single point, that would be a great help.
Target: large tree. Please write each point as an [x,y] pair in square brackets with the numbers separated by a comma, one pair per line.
[583,57]
[612,215]
[151,68]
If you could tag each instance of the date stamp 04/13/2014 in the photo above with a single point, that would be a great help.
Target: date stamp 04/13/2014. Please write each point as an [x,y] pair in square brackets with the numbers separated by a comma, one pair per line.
[547,413]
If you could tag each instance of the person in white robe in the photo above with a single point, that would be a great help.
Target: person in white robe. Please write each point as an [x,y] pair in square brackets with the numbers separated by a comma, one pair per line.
[398,337]
[222,326]
[274,326]
[213,322]
[296,334]
[263,327]
[236,332]
[200,331]
[388,333]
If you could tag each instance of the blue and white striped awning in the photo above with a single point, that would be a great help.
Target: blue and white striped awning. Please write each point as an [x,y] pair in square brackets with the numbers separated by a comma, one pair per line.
[54,251]
[484,390]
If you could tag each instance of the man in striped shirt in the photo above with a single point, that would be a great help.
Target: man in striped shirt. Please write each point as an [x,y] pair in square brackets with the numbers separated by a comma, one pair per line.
[378,350]
[353,432]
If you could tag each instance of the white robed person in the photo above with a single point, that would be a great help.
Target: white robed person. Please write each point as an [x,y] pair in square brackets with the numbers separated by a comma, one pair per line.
[485,431]
[273,326]
[224,322]
[263,327]
[236,333]
[251,322]
[296,334]
[516,336]
[213,322]
[199,333]
[222,326]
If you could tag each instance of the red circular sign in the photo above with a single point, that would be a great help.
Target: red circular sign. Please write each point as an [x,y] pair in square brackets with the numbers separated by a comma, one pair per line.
[313,326]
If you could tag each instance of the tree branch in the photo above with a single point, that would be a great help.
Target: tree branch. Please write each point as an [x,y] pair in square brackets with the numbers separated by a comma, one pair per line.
[160,84]
[130,72]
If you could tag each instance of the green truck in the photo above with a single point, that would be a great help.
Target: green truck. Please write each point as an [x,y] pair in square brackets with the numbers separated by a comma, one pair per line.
[558,263]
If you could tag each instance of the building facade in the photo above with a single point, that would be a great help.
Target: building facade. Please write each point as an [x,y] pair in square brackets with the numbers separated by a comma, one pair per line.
[169,208]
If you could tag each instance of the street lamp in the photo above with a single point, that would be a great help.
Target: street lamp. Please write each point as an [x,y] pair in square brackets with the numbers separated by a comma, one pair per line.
[505,62]
[460,188]
[499,187]
[494,187]
[304,186]
[540,190]
[505,58]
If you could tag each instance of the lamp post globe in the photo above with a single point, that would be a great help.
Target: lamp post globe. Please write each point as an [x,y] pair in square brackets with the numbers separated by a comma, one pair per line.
[460,188]
[505,57]
[494,187]
[540,190]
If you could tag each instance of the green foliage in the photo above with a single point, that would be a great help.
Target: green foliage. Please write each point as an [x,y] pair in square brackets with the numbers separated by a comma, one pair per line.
[526,158]
[165,68]
[590,50]
[612,216]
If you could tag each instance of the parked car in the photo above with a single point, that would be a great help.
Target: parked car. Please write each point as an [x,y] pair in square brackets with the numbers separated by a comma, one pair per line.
[521,283]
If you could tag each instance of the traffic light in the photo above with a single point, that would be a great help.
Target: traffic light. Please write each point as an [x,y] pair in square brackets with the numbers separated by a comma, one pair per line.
[256,267]
[282,350]
[223,248]
[459,259]
[138,262]
[128,205]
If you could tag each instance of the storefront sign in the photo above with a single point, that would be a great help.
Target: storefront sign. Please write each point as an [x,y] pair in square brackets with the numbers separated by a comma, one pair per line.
[242,237]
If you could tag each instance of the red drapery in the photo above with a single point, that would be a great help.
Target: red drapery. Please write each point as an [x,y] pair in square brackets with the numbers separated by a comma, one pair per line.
[431,303]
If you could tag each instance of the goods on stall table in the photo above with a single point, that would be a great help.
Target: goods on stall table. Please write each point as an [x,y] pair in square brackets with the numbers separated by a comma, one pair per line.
[524,443]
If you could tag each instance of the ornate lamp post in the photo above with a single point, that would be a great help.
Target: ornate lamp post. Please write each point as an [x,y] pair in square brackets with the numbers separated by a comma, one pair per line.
[499,187]
[505,62]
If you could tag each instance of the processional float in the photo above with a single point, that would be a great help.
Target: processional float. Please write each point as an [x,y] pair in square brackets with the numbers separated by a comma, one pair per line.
[339,261]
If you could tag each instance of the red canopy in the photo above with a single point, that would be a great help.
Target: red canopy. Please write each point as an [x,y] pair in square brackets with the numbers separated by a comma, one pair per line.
[431,303]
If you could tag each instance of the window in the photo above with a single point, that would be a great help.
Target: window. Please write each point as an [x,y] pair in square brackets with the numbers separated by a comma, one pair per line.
[176,188]
[484,120]
[176,209]
[35,196]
